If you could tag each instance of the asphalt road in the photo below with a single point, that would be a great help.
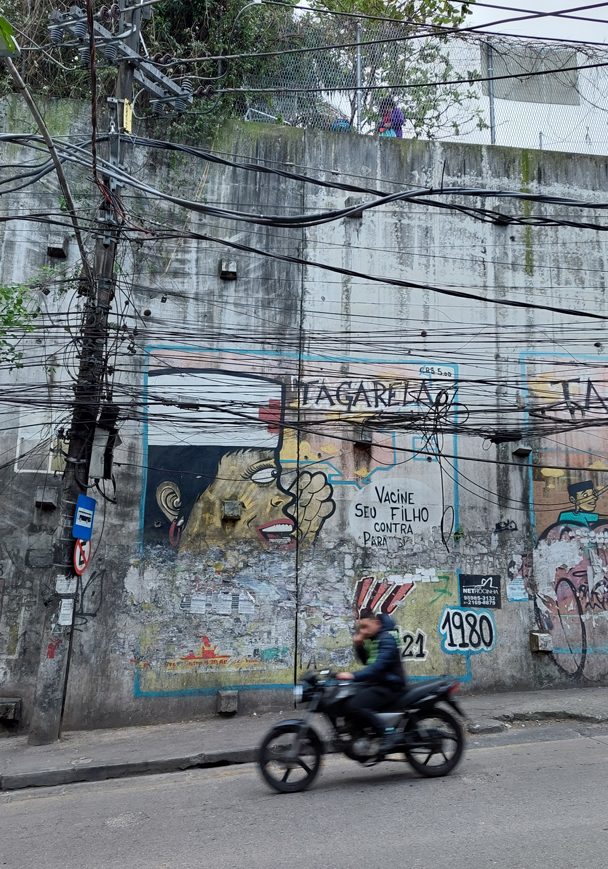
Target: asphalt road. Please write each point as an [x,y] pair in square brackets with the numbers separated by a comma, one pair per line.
[534,798]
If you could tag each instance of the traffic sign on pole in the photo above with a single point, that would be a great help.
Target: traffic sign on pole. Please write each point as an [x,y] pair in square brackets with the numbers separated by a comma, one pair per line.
[83,521]
[82,556]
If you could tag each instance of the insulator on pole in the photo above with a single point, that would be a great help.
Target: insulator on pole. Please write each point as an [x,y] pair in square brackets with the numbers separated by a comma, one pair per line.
[56,33]
[204,93]
[80,29]
[110,52]
[85,56]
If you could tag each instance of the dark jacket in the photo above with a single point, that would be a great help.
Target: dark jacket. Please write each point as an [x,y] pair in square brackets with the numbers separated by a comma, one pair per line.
[382,656]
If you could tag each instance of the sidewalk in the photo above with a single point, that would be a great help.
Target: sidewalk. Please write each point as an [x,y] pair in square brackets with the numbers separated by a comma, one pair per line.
[93,755]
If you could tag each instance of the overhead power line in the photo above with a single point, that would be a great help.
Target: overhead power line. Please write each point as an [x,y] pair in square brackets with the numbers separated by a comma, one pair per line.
[530,15]
[78,154]
[404,86]
[438,29]
[564,14]
[397,282]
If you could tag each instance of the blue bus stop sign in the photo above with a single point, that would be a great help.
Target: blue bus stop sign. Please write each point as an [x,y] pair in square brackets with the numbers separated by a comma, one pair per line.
[83,521]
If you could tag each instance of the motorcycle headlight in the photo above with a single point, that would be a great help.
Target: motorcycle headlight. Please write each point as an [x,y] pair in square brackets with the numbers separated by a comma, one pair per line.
[298,693]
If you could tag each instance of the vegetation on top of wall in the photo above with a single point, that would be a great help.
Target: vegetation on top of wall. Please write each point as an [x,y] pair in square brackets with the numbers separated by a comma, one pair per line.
[214,28]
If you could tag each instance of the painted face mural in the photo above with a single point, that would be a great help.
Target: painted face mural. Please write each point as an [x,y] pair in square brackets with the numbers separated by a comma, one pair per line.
[247,456]
[250,478]
[214,468]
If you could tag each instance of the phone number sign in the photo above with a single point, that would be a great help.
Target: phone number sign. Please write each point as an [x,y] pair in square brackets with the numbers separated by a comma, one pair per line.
[480,590]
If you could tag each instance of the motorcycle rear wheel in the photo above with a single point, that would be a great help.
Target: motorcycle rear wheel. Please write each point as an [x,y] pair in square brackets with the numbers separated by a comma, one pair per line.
[437,743]
[285,775]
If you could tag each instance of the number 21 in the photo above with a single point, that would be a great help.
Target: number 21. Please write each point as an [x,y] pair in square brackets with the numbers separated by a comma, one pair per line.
[414,646]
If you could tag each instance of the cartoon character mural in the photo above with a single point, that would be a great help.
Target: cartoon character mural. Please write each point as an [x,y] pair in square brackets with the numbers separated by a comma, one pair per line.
[570,502]
[583,497]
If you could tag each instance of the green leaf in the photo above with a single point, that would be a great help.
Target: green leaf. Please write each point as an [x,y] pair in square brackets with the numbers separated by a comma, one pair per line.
[8,46]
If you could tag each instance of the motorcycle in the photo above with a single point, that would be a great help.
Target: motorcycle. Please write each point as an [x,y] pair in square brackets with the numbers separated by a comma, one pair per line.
[429,737]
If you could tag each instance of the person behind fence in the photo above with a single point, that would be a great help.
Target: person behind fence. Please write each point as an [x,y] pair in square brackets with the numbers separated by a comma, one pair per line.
[341,125]
[391,119]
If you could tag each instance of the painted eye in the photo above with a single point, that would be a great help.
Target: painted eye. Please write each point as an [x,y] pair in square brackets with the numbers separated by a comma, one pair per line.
[264,475]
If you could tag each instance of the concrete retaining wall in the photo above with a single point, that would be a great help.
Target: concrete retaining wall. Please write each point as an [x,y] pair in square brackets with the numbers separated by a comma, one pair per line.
[310,405]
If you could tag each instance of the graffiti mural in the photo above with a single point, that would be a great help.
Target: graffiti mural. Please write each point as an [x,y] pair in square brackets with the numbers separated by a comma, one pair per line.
[467,630]
[271,484]
[198,464]
[425,605]
[570,502]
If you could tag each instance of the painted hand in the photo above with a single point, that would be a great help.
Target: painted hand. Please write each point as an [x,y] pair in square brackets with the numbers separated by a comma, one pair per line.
[313,505]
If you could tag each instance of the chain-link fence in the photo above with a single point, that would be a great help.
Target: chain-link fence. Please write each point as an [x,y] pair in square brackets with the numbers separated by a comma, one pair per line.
[333,75]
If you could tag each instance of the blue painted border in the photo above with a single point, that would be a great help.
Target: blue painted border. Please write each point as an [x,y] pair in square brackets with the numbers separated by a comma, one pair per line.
[148,350]
[273,686]
[591,650]
[205,692]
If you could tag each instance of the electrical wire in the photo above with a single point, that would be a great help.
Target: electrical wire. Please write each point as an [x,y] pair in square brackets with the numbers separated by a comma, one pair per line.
[363,17]
[404,86]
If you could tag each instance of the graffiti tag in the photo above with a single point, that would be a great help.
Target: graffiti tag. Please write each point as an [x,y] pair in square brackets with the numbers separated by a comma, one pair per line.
[365,395]
[393,511]
[414,646]
[466,630]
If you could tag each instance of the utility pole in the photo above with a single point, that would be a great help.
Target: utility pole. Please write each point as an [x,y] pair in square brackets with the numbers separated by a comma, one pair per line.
[92,405]
[58,631]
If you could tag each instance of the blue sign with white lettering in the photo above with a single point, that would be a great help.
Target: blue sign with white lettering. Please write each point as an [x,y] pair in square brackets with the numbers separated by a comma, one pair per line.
[83,521]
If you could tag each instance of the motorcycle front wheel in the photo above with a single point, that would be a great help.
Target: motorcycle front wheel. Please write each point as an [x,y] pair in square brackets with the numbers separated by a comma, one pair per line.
[436,743]
[283,772]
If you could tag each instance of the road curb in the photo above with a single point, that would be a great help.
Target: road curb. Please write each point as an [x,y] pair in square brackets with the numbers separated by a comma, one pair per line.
[485,725]
[93,772]
[557,715]
[119,769]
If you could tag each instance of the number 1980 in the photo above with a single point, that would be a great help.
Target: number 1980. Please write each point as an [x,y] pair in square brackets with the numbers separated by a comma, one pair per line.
[465,630]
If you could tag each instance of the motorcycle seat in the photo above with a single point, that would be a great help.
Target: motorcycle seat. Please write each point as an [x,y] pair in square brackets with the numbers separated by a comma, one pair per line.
[411,696]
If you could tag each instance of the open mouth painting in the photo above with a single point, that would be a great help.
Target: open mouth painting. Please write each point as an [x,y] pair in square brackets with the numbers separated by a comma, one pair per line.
[225,449]
[223,446]
[278,533]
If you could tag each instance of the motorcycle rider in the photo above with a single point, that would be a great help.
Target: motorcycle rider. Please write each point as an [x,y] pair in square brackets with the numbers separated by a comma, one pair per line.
[377,648]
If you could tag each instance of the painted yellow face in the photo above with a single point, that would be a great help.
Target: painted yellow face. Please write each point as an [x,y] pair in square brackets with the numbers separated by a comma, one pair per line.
[585,501]
[251,477]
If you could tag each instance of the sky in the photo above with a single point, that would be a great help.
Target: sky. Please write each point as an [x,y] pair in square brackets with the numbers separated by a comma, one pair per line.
[581,128]
[546,27]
